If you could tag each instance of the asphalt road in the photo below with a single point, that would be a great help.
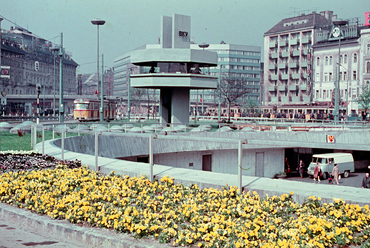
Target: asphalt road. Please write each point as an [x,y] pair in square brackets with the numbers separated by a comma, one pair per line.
[13,236]
[354,179]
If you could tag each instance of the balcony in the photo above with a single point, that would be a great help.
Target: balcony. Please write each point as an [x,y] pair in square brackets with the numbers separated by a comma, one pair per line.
[273,44]
[296,53]
[282,88]
[284,98]
[283,43]
[295,98]
[304,52]
[294,42]
[272,88]
[282,65]
[284,54]
[284,76]
[306,98]
[273,77]
[306,40]
[303,87]
[294,76]
[304,63]
[292,87]
[274,55]
[274,99]
[187,80]
[293,65]
[304,75]
[272,66]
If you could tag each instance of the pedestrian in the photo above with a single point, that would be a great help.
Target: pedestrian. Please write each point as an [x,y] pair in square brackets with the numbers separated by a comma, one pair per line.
[335,173]
[330,178]
[317,173]
[287,167]
[366,181]
[301,168]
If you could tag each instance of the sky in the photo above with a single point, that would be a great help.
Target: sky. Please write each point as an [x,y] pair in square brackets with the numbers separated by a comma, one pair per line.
[133,23]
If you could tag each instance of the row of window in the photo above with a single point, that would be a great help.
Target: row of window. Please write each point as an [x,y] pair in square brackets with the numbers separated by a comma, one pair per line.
[329,94]
[237,52]
[241,67]
[328,60]
[241,60]
[328,76]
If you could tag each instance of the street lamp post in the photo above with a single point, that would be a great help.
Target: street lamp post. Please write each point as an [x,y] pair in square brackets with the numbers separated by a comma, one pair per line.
[61,100]
[98,23]
[128,95]
[38,88]
[338,23]
[54,50]
[347,89]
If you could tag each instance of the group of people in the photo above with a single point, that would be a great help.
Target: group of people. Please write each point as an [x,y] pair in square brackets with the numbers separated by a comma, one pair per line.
[334,175]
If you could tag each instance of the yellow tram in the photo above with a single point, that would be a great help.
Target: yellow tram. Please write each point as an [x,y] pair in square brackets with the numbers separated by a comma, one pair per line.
[88,110]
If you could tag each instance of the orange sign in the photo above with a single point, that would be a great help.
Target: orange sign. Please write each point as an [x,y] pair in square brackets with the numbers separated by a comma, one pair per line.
[330,139]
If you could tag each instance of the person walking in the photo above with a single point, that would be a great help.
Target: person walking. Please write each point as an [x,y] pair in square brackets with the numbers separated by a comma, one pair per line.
[335,173]
[366,181]
[301,168]
[317,172]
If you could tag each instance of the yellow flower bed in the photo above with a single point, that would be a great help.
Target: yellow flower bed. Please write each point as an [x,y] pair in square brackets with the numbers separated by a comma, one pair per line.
[185,215]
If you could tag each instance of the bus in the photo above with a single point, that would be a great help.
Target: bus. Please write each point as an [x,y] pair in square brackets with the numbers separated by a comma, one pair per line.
[88,109]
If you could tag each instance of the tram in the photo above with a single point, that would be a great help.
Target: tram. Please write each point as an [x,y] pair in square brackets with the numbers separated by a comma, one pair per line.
[88,109]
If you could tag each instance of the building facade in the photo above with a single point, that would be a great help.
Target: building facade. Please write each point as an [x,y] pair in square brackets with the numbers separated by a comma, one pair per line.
[287,58]
[238,61]
[241,62]
[302,71]
[28,60]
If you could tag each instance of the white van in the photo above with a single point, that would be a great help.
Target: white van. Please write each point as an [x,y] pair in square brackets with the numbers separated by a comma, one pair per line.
[327,161]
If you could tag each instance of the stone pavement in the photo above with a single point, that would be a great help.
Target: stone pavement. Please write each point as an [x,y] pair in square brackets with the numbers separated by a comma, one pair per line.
[95,237]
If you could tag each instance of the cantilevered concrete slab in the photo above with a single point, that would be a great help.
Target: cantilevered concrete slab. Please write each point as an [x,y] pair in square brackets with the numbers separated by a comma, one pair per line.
[174,69]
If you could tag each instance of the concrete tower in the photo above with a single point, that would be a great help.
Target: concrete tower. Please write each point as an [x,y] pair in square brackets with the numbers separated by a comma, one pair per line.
[174,69]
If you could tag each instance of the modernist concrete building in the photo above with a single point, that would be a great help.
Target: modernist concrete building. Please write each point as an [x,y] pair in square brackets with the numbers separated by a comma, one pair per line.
[239,61]
[234,61]
[174,69]
[287,58]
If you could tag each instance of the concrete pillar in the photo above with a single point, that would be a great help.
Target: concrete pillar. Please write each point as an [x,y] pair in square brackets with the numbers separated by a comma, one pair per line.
[174,105]
[180,105]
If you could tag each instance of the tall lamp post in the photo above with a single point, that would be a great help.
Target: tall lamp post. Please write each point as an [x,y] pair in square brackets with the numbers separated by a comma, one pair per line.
[61,100]
[54,50]
[337,33]
[129,95]
[98,23]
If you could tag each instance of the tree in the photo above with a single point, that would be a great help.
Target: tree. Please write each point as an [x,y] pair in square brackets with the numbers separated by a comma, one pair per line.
[230,89]
[138,94]
[363,99]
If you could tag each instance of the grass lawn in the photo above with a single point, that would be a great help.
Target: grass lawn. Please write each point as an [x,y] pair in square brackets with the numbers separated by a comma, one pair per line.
[11,141]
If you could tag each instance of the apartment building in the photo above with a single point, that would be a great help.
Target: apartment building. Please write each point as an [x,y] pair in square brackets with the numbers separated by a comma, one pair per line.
[28,60]
[287,58]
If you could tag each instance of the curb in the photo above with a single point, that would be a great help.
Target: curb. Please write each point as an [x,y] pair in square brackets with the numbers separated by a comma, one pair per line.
[66,231]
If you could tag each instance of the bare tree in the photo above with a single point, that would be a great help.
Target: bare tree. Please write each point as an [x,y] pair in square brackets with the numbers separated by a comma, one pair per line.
[138,94]
[230,89]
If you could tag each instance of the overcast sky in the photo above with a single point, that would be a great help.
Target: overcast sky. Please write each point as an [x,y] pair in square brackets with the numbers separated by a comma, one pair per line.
[132,23]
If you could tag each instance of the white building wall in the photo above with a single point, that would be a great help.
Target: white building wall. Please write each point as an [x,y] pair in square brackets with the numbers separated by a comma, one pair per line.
[226,161]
